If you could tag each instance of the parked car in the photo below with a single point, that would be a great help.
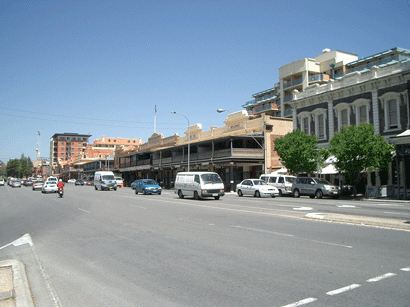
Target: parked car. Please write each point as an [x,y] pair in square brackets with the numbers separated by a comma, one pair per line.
[147,186]
[28,183]
[133,184]
[37,185]
[199,185]
[2,181]
[282,182]
[256,188]
[49,186]
[119,181]
[79,182]
[71,181]
[314,187]
[16,184]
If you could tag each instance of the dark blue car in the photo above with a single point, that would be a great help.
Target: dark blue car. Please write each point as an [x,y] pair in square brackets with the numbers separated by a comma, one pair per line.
[147,186]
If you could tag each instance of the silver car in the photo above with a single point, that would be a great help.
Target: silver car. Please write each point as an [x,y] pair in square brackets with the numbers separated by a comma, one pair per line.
[256,188]
[314,187]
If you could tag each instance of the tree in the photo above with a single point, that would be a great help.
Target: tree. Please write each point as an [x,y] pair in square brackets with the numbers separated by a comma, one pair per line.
[3,173]
[358,149]
[26,166]
[13,168]
[298,151]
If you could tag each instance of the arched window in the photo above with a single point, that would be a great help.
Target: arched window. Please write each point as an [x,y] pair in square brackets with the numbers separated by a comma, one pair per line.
[304,120]
[320,116]
[391,104]
[343,111]
[361,108]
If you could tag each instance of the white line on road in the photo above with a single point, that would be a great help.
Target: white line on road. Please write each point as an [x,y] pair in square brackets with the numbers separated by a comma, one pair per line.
[83,210]
[138,207]
[381,277]
[398,213]
[346,206]
[344,289]
[265,231]
[406,269]
[302,302]
[303,208]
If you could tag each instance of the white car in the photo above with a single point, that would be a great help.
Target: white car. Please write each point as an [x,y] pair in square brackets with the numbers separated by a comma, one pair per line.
[1,181]
[119,181]
[49,186]
[256,188]
[71,181]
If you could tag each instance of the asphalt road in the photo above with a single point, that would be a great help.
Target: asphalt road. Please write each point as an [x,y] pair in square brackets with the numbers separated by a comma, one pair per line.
[115,248]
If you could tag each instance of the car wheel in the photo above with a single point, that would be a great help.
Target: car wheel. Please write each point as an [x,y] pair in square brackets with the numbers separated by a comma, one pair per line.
[95,188]
[136,192]
[196,196]
[180,195]
[257,194]
[144,192]
[159,193]
[319,194]
[216,197]
[296,193]
[115,189]
[240,193]
[280,193]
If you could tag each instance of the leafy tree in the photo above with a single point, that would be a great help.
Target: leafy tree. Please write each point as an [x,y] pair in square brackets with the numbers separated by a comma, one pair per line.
[13,168]
[298,151]
[25,166]
[358,149]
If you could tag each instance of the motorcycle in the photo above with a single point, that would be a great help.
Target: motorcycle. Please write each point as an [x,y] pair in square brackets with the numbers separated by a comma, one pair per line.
[60,192]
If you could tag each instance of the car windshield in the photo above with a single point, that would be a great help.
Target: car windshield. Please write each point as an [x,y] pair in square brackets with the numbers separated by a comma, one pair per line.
[289,179]
[108,177]
[211,178]
[322,181]
[51,182]
[151,182]
[259,182]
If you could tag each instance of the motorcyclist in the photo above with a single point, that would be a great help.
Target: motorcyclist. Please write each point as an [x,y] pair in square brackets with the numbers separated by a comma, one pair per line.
[60,184]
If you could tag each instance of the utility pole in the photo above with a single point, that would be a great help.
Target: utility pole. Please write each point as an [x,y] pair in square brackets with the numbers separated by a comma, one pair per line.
[38,145]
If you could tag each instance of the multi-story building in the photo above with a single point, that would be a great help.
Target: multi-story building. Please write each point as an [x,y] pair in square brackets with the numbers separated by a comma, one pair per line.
[65,146]
[243,148]
[299,75]
[373,90]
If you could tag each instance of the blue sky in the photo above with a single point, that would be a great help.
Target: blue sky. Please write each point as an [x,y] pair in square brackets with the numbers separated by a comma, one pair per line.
[99,67]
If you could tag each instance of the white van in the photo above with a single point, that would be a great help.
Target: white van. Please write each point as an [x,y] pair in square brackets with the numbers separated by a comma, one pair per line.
[105,181]
[282,182]
[199,185]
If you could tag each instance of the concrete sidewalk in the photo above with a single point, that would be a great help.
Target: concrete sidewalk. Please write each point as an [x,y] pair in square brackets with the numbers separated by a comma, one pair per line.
[14,286]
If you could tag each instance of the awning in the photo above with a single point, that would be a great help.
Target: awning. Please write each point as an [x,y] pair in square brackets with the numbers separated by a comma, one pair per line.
[329,170]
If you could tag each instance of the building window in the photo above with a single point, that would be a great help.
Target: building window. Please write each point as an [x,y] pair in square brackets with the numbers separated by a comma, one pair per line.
[320,116]
[304,121]
[362,109]
[391,105]
[343,115]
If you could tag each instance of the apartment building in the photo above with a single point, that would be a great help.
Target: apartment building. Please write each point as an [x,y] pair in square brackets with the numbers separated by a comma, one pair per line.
[65,146]
[299,75]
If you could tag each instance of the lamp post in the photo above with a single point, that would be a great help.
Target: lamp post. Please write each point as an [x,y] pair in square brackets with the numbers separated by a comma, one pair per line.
[189,135]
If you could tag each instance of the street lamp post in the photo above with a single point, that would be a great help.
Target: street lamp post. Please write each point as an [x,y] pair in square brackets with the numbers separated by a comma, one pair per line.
[189,135]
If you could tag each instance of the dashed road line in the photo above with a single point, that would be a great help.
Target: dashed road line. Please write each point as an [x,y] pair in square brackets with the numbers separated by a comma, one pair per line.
[83,210]
[381,277]
[344,289]
[302,302]
[406,269]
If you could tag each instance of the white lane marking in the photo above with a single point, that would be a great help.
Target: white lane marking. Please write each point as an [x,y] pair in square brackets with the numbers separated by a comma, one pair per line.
[303,209]
[138,207]
[346,206]
[290,235]
[302,302]
[83,210]
[381,277]
[406,269]
[265,231]
[344,289]
[398,213]
[315,215]
[26,239]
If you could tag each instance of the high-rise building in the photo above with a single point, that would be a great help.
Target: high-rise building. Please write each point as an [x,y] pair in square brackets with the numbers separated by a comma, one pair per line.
[64,146]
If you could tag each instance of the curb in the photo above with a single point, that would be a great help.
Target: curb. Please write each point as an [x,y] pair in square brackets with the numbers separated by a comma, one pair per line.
[21,289]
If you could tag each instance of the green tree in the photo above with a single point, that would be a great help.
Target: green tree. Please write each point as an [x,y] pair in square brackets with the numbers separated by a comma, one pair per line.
[358,149]
[298,151]
[3,173]
[13,168]
[26,166]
